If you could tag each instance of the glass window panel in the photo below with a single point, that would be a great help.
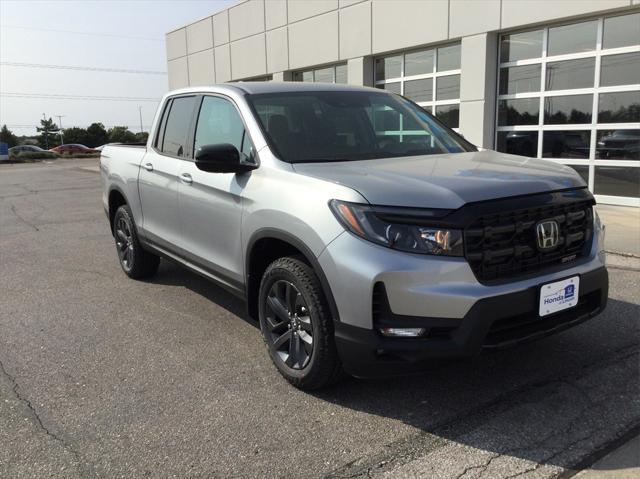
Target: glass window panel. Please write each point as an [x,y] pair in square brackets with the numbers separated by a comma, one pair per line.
[307,76]
[578,37]
[449,115]
[523,143]
[389,67]
[175,134]
[622,31]
[449,58]
[448,88]
[323,75]
[560,110]
[297,76]
[583,171]
[617,181]
[419,90]
[619,107]
[341,73]
[566,144]
[418,63]
[520,46]
[570,74]
[618,145]
[523,111]
[520,79]
[220,122]
[620,69]
[392,87]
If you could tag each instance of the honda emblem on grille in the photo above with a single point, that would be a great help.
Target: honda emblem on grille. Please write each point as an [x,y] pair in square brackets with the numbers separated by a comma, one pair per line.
[547,234]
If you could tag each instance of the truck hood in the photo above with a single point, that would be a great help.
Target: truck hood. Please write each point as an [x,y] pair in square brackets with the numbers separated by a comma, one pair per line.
[445,181]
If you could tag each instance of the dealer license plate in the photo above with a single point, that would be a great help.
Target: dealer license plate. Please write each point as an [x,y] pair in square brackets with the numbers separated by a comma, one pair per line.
[558,296]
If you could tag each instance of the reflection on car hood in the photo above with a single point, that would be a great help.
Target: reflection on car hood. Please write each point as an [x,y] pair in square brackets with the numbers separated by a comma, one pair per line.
[445,181]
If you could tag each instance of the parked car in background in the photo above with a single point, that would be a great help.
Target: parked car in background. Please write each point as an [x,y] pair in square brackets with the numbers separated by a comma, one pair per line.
[619,145]
[24,148]
[73,148]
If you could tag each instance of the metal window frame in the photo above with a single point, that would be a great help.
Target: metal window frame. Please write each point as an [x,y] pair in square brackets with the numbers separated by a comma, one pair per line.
[433,75]
[333,67]
[593,127]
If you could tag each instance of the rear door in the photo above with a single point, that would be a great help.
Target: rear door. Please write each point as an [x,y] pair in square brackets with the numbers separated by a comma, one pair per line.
[210,204]
[158,178]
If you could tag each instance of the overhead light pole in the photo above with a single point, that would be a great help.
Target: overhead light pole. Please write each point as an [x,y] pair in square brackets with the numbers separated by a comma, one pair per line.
[140,113]
[60,126]
[46,132]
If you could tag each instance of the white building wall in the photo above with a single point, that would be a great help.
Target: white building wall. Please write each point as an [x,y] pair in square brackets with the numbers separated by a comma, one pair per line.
[255,38]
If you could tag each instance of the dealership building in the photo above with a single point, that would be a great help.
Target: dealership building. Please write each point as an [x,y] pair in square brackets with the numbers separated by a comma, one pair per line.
[553,79]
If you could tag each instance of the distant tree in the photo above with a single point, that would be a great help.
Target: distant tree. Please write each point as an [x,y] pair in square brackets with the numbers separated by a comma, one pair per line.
[75,135]
[97,135]
[121,134]
[49,133]
[142,137]
[7,136]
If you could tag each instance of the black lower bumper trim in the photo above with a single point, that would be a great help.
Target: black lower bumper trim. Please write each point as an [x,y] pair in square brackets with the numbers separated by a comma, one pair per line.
[492,323]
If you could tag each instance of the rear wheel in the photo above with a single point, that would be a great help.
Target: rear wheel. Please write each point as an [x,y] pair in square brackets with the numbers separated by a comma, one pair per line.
[134,260]
[296,324]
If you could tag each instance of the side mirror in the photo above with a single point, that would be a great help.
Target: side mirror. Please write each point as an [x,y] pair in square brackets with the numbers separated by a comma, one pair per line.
[221,158]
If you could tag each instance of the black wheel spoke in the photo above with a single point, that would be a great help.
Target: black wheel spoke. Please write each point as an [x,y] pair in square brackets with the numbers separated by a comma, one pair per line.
[278,308]
[305,324]
[291,296]
[282,340]
[121,236]
[294,352]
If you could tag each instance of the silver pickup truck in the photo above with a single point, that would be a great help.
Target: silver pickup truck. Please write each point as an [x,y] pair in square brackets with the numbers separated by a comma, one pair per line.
[364,235]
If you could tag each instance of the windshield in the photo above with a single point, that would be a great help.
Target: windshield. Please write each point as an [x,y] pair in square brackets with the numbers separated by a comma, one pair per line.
[316,126]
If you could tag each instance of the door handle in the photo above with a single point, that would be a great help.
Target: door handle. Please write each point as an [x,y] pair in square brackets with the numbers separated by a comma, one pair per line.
[186,178]
[148,166]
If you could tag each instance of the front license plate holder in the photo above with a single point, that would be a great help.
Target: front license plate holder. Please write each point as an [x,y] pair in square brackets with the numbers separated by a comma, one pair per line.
[559,295]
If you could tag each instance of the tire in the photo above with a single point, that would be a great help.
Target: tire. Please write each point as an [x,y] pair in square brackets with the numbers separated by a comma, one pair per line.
[134,260]
[306,314]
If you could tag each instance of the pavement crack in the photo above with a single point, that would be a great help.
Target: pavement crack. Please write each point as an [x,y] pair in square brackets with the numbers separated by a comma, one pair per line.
[21,218]
[37,419]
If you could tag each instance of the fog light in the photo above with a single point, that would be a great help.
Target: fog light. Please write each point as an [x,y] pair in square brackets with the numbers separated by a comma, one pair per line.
[402,332]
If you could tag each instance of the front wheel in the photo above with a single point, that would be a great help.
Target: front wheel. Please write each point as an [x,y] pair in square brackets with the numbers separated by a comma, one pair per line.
[134,260]
[297,326]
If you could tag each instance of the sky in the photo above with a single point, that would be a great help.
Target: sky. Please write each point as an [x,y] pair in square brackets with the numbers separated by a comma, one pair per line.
[95,35]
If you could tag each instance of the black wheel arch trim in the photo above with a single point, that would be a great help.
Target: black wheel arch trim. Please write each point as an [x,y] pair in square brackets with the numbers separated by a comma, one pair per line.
[306,252]
[113,188]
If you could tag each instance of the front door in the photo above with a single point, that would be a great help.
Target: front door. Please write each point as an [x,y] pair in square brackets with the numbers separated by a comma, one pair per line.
[210,204]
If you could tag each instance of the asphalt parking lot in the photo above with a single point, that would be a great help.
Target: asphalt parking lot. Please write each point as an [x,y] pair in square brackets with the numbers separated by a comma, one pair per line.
[102,376]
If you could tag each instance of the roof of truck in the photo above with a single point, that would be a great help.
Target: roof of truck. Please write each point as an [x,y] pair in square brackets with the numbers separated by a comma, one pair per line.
[256,87]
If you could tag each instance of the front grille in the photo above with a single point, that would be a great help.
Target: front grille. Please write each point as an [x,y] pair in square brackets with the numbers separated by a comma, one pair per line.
[503,245]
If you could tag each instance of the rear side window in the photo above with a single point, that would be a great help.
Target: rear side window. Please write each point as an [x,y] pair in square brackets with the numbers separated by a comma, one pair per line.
[177,126]
[220,122]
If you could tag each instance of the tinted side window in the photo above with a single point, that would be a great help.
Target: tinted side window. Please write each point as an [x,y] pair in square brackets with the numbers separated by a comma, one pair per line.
[220,122]
[175,135]
[163,123]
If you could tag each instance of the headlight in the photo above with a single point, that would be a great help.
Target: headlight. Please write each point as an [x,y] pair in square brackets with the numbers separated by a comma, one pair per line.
[362,220]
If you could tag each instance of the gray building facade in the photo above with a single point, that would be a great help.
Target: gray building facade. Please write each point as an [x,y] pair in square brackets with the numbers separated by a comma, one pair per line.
[554,79]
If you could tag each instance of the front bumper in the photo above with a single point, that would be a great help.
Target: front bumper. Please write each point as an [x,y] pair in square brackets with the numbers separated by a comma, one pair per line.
[463,316]
[491,323]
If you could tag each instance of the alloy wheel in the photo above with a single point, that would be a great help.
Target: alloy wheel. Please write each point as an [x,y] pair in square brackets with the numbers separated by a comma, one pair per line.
[124,243]
[288,324]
